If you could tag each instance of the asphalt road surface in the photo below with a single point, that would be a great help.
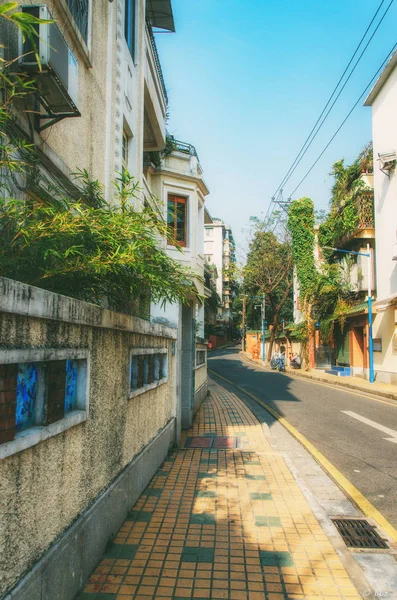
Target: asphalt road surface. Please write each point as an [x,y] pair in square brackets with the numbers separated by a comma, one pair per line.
[357,434]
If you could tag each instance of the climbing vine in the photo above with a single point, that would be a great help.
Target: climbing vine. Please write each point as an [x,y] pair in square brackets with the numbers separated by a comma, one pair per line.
[347,202]
[301,225]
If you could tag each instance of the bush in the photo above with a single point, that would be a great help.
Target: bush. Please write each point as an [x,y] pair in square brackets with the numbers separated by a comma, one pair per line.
[101,254]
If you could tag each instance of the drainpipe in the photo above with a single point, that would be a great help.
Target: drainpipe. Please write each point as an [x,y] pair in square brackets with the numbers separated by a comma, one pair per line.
[370,340]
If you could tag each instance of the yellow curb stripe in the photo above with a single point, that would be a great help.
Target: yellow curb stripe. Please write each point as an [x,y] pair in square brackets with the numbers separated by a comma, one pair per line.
[332,386]
[358,498]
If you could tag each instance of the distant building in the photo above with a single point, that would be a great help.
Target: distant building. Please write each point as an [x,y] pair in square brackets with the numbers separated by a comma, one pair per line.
[219,250]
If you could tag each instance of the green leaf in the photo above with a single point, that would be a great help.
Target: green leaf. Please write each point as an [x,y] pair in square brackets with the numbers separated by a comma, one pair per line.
[27,18]
[7,7]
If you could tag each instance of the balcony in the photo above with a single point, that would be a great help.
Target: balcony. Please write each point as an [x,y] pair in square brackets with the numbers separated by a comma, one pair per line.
[365,228]
[365,209]
[155,96]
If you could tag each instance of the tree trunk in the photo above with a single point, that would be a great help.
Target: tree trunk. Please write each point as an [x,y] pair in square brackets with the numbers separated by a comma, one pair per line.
[275,319]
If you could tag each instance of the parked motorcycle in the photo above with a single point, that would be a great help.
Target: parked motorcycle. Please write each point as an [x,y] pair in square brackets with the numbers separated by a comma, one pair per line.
[277,362]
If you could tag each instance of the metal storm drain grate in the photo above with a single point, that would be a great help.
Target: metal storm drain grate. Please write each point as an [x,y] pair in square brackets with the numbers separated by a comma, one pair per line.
[358,533]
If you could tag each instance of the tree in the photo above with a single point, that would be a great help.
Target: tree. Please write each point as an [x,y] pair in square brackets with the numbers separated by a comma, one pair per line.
[269,272]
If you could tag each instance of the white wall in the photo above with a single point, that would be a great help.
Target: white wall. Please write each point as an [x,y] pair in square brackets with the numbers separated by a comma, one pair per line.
[384,125]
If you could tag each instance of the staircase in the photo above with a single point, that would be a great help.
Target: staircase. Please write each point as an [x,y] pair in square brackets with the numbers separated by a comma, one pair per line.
[339,371]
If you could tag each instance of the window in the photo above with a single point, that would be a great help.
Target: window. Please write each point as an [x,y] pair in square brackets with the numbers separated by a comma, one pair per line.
[129,26]
[201,357]
[209,231]
[80,13]
[124,151]
[177,219]
[377,344]
[35,394]
[148,369]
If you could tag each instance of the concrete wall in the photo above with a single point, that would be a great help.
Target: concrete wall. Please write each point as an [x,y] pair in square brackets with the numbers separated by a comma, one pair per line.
[252,341]
[200,381]
[46,487]
[385,362]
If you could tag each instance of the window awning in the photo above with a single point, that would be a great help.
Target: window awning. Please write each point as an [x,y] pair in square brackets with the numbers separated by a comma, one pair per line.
[159,13]
[386,302]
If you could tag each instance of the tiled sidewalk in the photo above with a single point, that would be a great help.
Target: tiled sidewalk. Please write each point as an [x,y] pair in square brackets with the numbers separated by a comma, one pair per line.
[221,523]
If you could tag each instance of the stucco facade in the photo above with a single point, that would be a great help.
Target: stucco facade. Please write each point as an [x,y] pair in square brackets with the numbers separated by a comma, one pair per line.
[383,99]
[121,94]
[46,487]
[180,175]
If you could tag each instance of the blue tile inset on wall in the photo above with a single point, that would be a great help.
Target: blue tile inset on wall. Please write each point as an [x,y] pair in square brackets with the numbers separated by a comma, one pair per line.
[71,385]
[26,395]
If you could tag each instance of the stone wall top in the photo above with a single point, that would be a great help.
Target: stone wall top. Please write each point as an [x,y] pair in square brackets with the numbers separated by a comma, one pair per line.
[22,299]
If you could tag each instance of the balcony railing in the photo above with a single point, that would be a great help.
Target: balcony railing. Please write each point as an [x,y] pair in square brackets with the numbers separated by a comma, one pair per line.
[157,60]
[184,147]
[365,209]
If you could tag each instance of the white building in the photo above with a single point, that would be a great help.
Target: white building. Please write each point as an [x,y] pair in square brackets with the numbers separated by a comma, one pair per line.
[383,100]
[178,187]
[219,249]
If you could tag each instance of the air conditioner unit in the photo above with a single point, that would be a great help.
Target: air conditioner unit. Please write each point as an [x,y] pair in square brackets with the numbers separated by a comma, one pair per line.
[387,161]
[57,81]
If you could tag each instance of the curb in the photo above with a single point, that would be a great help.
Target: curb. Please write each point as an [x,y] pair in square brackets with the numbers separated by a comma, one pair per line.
[337,383]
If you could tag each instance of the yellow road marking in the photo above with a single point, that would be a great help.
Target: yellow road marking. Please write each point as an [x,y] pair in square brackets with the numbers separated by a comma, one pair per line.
[390,402]
[358,498]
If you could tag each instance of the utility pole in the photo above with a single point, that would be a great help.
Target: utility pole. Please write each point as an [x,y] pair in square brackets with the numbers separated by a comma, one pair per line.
[263,326]
[243,321]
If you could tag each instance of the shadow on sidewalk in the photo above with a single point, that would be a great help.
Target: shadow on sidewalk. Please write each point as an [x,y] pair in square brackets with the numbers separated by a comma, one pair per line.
[269,386]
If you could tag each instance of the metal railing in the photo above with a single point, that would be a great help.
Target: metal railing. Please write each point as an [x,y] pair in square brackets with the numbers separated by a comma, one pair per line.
[184,147]
[157,60]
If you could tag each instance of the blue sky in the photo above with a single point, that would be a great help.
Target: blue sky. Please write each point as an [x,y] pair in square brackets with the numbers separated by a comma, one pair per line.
[247,81]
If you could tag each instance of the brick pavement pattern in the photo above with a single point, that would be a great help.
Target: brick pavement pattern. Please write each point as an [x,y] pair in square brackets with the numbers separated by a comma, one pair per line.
[224,521]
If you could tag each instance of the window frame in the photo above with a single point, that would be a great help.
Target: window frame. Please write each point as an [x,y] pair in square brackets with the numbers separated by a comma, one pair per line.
[133,392]
[202,364]
[36,433]
[130,8]
[125,150]
[85,45]
[177,199]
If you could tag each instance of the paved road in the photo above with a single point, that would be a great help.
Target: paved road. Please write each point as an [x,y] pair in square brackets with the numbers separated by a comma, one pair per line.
[354,442]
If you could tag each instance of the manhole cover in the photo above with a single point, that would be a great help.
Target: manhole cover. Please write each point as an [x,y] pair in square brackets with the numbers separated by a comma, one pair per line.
[358,533]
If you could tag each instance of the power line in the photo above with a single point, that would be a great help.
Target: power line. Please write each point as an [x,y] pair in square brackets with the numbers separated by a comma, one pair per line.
[299,157]
[345,119]
[335,100]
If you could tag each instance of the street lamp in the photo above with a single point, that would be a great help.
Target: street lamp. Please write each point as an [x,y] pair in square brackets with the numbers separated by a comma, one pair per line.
[369,300]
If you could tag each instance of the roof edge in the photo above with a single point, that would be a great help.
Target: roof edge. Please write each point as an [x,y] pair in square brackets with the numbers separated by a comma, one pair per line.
[383,77]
